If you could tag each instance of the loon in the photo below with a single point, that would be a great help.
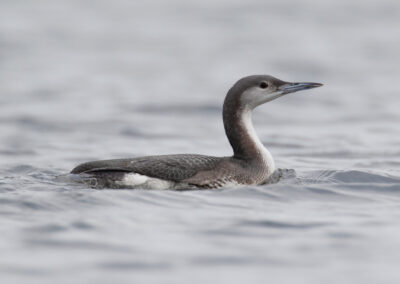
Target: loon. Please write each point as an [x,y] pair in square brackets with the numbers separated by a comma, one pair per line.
[251,163]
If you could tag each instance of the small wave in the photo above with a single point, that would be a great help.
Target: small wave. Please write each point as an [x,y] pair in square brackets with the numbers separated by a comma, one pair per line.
[354,176]
[18,152]
[282,176]
[21,169]
[179,109]
[133,265]
[75,244]
[349,176]
[283,225]
[130,131]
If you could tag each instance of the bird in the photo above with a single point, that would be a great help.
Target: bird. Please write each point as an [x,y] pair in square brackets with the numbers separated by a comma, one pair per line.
[250,164]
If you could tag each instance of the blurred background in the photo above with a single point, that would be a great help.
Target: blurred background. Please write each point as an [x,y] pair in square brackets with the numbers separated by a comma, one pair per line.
[85,80]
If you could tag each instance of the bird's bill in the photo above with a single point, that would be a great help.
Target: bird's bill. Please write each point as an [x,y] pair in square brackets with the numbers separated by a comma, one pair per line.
[295,87]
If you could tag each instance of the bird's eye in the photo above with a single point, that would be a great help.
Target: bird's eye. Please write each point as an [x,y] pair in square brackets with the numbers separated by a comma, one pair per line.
[263,85]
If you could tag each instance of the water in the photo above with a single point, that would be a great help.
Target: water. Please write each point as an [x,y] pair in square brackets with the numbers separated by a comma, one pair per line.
[86,80]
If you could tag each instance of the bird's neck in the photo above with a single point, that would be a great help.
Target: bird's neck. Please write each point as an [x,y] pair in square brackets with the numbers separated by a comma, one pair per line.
[242,136]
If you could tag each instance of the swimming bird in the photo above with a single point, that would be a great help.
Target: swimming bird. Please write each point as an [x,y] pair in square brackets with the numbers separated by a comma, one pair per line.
[250,164]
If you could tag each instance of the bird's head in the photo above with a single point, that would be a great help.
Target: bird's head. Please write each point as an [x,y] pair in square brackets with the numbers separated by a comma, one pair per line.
[259,89]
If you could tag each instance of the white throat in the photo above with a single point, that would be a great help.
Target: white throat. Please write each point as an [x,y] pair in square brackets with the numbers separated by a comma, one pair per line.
[265,154]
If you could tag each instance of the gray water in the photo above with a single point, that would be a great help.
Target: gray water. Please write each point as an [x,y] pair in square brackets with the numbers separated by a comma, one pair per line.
[86,80]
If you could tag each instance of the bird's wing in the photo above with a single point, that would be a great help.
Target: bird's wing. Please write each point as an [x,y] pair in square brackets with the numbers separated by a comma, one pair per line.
[168,167]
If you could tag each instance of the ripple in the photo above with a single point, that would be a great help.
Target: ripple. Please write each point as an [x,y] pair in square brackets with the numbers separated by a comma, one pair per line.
[227,260]
[353,176]
[133,265]
[349,176]
[77,244]
[283,225]
[180,109]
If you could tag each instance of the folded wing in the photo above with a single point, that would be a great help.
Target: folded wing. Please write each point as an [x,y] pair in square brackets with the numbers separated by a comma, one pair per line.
[167,167]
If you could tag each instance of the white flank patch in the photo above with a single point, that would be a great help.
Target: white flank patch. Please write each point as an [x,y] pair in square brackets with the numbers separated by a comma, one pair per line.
[134,180]
[231,183]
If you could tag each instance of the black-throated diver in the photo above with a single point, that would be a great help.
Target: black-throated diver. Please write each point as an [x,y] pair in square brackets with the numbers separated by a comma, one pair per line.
[251,163]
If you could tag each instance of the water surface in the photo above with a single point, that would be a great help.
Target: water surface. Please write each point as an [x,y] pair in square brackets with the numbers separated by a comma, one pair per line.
[86,80]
